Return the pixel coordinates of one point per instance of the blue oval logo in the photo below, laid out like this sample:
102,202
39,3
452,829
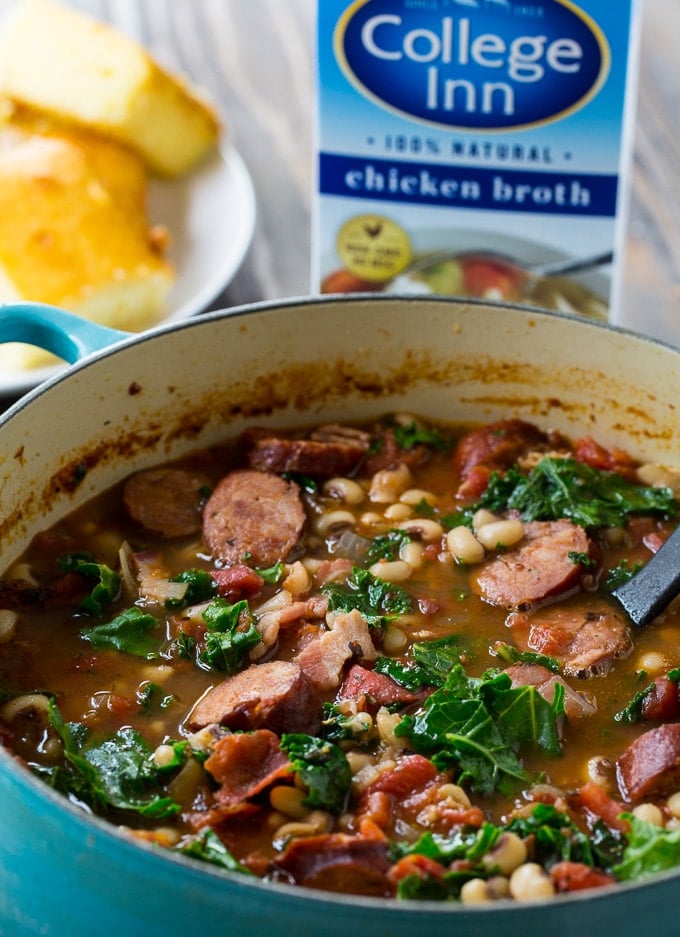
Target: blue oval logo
483,66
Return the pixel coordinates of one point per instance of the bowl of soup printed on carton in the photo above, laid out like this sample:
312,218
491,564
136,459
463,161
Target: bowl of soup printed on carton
339,564
483,122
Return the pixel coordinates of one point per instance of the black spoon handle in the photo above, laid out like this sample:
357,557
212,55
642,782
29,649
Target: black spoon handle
649,591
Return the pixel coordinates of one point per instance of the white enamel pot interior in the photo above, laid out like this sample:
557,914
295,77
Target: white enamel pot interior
153,397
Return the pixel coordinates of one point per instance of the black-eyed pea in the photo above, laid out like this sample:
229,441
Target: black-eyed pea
423,528
601,771
298,579
398,512
344,489
673,804
509,853
394,640
454,794
464,546
475,891
391,570
483,516
650,813
499,886
8,624
500,535
388,484
414,496
331,521
411,552
372,519
652,663
530,882
288,800
385,723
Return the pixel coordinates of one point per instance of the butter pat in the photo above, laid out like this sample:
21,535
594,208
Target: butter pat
77,70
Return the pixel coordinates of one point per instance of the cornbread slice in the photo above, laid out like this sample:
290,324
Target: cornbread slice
74,232
78,70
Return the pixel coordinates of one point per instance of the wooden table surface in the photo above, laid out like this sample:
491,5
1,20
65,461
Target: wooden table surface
255,58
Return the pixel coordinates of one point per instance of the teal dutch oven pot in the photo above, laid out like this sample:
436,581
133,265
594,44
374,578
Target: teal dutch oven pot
127,402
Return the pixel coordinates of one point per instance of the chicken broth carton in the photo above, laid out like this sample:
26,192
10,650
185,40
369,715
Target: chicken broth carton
474,148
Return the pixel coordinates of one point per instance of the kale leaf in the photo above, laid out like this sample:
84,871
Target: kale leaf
118,773
377,600
650,849
322,767
231,634
566,488
478,725
430,663
200,587
208,847
107,588
129,632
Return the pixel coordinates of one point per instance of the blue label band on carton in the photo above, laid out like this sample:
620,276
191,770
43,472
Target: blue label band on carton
497,66
490,189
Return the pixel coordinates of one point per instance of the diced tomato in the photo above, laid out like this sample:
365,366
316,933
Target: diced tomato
410,774
607,460
596,801
576,876
415,864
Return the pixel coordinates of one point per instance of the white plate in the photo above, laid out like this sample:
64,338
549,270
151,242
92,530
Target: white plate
210,215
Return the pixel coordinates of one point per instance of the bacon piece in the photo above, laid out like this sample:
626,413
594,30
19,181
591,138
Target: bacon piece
585,638
246,764
323,659
338,862
275,695
543,565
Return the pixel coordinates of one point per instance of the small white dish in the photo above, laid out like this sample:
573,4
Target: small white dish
210,215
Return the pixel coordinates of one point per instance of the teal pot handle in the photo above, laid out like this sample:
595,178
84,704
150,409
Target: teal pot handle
62,333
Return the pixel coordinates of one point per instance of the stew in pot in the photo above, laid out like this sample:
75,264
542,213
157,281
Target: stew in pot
379,660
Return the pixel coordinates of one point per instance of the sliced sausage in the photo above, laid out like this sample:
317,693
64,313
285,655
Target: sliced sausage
254,517
338,862
325,453
492,448
586,640
543,565
662,703
165,501
650,766
275,695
